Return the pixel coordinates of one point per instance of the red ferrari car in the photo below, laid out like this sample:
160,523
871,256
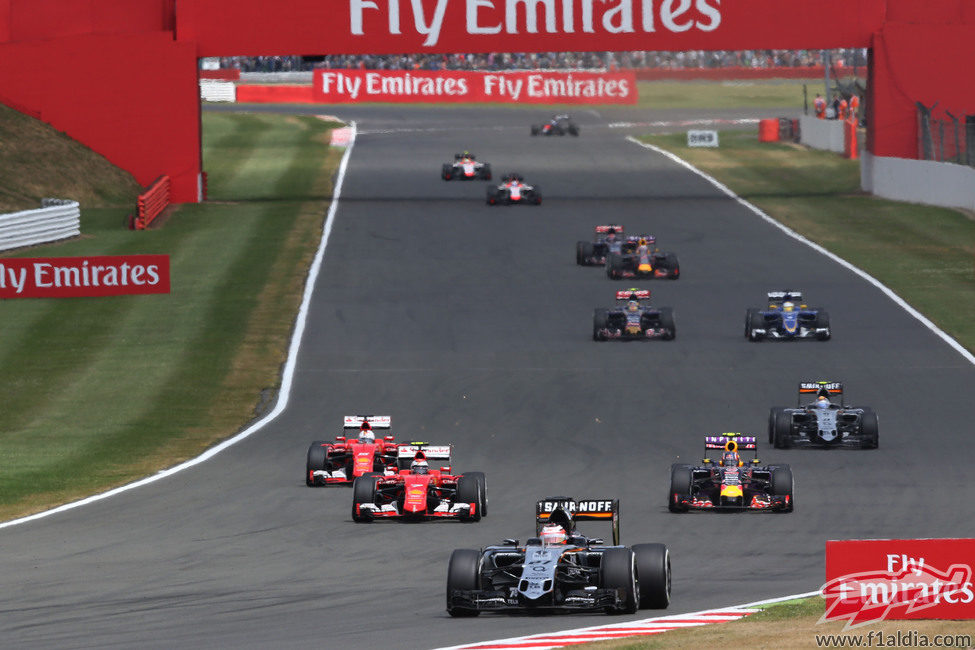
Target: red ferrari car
351,456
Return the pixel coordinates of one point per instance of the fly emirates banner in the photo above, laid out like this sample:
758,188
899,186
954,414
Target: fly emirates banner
522,87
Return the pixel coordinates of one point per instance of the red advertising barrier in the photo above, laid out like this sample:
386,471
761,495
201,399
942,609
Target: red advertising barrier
733,73
277,94
78,277
896,579
152,202
536,87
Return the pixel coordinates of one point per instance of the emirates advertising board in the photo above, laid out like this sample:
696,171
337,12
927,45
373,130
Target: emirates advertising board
896,579
82,277
520,87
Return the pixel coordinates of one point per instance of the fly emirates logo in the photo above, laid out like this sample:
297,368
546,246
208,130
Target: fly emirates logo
489,17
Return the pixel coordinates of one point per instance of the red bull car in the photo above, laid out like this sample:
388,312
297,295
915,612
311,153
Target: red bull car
513,190
466,168
420,492
731,483
633,319
608,239
354,454
639,257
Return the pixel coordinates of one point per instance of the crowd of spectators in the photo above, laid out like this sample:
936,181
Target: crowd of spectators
550,60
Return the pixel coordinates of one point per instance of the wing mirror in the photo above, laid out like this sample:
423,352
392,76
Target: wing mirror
755,461
596,541
340,438
389,438
510,542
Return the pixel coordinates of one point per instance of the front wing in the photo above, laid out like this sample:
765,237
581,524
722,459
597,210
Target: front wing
497,601
445,510
758,503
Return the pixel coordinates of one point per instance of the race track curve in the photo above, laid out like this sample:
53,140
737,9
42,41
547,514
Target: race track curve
471,324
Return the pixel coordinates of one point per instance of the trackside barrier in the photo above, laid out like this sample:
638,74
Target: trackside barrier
56,219
152,202
218,91
822,134
768,130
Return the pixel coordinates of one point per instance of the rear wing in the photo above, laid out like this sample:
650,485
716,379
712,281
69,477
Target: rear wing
633,294
828,389
602,230
579,510
783,296
409,450
375,421
722,442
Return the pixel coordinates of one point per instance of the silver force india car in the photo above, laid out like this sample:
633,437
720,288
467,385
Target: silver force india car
560,569
731,483
639,257
827,421
513,190
633,319
787,317
466,168
608,239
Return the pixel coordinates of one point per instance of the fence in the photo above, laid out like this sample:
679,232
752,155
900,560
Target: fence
945,139
56,219
152,202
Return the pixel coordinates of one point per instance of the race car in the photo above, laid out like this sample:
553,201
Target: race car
608,239
514,190
351,456
731,484
633,318
419,492
466,167
787,317
560,569
558,125
639,257
823,422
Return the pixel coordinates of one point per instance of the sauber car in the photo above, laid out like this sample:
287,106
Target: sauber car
608,239
633,318
787,317
558,125
730,483
639,257
465,168
827,421
568,572
353,454
414,495
514,190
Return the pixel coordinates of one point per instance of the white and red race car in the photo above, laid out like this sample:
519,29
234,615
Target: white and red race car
466,168
514,190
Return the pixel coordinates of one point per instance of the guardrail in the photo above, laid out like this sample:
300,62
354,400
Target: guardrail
152,202
56,219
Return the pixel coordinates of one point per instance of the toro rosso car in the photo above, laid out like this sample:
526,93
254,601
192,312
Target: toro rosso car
560,569
787,317
351,455
640,258
608,239
633,319
827,421
731,483
419,492
514,190
465,168
558,125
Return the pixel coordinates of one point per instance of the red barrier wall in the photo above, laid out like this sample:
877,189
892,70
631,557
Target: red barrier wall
276,94
735,73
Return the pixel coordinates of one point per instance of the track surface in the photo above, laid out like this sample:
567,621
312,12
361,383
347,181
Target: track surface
471,324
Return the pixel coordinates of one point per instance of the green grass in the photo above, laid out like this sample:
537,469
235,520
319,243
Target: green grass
925,254
102,391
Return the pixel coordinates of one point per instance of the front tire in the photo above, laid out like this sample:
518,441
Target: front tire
614,266
317,454
681,480
617,570
482,505
667,323
363,491
653,575
870,429
463,574
469,491
784,485
600,321
822,321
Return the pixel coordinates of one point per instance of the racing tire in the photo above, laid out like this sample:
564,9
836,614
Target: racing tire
822,320
667,323
492,197
537,196
316,461
653,575
614,266
784,485
535,129
463,574
670,262
748,328
869,429
447,173
583,252
600,321
574,130
486,172
757,322
782,430
681,479
363,491
617,570
469,491
771,423
482,505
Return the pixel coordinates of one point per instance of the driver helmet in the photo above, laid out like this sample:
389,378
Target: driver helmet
788,306
553,534
730,459
611,234
822,402
366,434
633,305
419,466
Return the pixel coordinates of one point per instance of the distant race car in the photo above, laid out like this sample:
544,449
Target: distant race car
823,422
560,569
731,484
787,317
416,491
633,318
350,456
639,257
559,125
465,168
514,190
608,239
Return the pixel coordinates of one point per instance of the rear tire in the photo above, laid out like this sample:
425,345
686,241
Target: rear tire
574,130
782,430
486,172
363,491
870,429
653,575
600,321
771,423
757,322
617,570
667,323
681,480
315,461
447,173
469,491
784,485
670,262
584,252
463,574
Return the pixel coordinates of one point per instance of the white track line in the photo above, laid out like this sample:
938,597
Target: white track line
286,380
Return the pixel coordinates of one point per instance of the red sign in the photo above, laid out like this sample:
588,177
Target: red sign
356,86
895,579
77,277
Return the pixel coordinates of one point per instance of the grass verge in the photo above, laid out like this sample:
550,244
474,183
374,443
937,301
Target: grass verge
103,391
925,254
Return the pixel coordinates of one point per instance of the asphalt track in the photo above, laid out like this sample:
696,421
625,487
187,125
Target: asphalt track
471,324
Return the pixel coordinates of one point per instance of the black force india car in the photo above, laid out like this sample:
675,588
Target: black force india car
633,318
639,257
560,569
353,454
514,190
731,483
465,168
826,421
788,318
559,125
415,491
608,239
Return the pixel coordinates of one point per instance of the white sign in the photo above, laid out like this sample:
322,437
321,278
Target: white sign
702,138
